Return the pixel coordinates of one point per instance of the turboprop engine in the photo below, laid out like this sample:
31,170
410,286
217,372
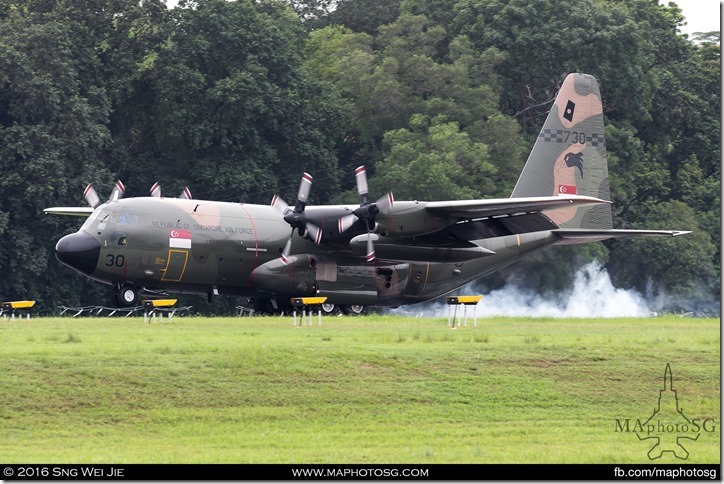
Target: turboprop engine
298,275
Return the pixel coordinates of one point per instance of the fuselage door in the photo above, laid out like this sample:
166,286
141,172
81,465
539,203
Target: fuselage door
176,265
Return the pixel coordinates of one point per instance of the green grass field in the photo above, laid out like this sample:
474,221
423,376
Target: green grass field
375,389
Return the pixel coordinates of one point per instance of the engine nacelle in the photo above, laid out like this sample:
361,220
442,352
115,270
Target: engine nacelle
380,229
298,277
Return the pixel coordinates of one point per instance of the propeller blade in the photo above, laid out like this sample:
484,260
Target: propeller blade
304,188
346,222
360,175
370,250
385,203
296,218
287,249
314,233
279,205
155,190
367,211
186,194
117,191
91,196
364,244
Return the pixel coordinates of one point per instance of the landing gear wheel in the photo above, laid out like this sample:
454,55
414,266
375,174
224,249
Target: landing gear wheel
353,309
329,308
127,296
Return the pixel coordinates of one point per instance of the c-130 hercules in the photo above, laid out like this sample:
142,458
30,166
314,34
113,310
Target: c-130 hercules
382,253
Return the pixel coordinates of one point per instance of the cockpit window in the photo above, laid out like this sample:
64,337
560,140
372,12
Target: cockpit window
127,219
104,217
90,219
100,215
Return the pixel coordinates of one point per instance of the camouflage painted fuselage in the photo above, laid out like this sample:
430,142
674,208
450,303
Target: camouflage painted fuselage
196,246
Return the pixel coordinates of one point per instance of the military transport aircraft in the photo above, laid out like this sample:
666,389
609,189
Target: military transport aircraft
380,253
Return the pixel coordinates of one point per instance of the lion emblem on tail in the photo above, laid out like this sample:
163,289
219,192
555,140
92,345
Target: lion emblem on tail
574,159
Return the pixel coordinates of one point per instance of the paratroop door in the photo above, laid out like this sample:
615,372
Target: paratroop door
176,265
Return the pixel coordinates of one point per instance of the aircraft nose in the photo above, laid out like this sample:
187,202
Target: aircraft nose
79,251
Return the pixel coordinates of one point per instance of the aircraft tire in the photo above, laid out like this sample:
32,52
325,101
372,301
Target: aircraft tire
330,308
127,296
354,310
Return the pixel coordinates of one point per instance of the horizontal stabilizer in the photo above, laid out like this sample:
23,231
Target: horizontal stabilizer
614,233
73,211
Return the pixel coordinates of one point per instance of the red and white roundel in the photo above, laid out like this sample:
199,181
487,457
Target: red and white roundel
567,189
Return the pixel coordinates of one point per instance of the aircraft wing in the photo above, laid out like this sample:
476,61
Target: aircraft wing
615,233
74,211
472,209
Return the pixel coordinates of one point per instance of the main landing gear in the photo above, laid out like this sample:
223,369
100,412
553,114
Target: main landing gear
349,310
274,307
354,310
330,308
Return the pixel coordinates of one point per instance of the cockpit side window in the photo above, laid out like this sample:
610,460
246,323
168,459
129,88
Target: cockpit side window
117,238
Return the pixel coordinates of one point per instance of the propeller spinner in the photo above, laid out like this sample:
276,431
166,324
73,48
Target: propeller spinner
297,218
367,211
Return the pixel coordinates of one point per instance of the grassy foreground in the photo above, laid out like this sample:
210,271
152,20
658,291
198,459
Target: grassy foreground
375,389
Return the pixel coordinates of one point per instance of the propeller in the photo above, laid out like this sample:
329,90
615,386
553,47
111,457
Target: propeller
118,191
367,211
156,192
296,217
91,196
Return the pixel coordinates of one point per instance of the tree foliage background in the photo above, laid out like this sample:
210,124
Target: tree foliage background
441,99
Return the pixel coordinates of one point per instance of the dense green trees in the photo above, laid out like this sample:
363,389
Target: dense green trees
233,107
440,99
54,114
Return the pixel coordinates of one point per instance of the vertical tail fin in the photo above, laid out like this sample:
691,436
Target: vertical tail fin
569,156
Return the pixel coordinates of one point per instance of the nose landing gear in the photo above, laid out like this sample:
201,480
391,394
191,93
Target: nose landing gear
126,296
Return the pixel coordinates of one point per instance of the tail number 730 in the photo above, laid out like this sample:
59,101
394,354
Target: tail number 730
578,137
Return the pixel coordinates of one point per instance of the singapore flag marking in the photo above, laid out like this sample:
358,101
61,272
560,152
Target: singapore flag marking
179,239
566,189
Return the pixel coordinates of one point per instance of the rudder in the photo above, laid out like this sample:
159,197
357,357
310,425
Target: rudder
569,156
